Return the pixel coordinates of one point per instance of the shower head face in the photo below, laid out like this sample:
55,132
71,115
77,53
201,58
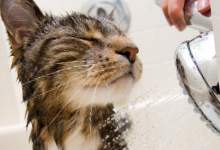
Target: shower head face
197,73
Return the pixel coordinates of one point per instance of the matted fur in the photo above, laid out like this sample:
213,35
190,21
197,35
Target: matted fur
71,69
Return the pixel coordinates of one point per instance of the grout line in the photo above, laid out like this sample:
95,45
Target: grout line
13,128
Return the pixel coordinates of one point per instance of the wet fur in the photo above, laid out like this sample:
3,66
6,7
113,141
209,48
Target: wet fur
71,72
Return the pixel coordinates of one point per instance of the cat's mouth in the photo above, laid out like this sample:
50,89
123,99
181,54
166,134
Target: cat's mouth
125,76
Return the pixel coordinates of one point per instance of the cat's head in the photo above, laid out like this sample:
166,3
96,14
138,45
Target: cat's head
75,56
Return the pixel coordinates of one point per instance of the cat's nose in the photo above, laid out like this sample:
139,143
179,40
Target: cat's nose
130,53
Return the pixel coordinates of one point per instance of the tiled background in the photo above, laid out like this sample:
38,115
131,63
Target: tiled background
149,30
216,23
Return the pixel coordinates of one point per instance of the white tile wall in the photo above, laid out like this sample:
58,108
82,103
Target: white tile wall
157,43
9,110
216,24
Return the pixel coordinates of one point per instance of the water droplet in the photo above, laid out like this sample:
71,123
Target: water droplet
207,106
201,102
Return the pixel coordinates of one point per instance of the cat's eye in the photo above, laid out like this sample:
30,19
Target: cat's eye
90,39
93,40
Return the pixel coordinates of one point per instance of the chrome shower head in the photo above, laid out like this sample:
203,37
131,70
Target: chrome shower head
197,73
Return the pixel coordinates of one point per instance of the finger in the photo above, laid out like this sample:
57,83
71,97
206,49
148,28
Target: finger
176,13
203,6
165,11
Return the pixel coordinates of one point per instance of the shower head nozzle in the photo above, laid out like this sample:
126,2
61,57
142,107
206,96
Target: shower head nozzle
197,73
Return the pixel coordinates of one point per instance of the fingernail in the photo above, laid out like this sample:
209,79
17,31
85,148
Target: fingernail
180,25
203,5
169,21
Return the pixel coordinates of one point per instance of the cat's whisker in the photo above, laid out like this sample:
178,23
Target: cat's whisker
56,87
118,23
83,100
45,110
63,107
99,68
58,71
76,61
93,99
87,90
69,62
46,128
61,86
46,75
126,28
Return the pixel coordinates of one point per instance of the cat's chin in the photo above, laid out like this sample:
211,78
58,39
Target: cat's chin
126,76
118,90
115,91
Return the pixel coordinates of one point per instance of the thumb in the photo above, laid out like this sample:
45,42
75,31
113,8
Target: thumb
203,6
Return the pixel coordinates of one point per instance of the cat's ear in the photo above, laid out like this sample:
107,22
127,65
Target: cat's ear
20,18
110,15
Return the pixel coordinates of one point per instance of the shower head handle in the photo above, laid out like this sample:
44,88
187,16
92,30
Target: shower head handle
193,18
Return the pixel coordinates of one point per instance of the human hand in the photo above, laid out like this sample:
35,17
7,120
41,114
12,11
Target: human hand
174,11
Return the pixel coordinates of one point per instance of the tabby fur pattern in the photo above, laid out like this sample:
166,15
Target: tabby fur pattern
72,69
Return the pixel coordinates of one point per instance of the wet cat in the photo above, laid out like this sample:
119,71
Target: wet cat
72,69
